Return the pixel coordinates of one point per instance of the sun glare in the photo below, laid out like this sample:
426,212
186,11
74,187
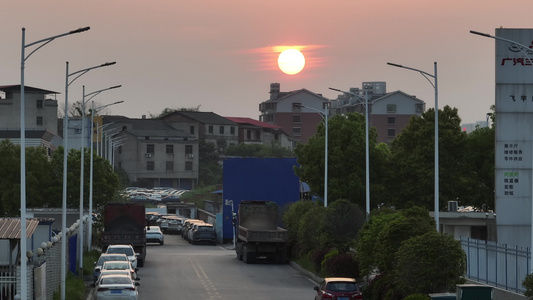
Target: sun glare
291,61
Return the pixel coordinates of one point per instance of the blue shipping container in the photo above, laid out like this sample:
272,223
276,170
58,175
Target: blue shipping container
251,178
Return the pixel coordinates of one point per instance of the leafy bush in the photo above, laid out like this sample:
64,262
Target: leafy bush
342,265
417,297
316,257
528,284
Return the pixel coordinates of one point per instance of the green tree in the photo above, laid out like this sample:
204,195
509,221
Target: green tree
429,263
344,219
479,169
293,221
39,178
9,179
346,152
209,169
410,179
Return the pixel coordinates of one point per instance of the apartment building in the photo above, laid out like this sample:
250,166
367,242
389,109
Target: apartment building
388,113
40,116
205,126
256,132
153,152
298,112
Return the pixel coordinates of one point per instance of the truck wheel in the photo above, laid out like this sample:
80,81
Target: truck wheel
245,257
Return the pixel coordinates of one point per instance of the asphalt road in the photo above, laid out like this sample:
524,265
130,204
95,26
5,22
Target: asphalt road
179,270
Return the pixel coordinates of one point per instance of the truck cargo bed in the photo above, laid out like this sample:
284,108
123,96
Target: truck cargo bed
274,236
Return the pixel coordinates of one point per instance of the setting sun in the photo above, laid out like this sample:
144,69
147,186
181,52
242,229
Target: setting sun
291,61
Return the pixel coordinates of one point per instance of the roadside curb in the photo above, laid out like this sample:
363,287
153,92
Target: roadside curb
312,276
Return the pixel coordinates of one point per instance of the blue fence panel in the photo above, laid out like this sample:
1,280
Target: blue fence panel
496,264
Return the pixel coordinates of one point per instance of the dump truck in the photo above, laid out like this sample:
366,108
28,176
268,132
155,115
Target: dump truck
259,236
125,223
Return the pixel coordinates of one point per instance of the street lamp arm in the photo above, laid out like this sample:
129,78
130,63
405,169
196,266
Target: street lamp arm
98,92
49,39
425,74
363,100
96,109
83,71
521,46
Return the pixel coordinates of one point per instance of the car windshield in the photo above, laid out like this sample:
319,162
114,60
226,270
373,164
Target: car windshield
205,228
342,286
115,280
110,258
124,250
116,266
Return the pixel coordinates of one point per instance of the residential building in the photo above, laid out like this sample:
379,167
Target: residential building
297,112
40,116
152,151
205,126
388,113
256,132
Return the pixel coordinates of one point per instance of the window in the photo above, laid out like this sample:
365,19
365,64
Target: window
258,134
391,108
297,106
391,120
188,166
150,165
188,149
391,132
39,121
232,130
296,131
170,166
191,130
170,149
119,149
248,134
221,129
39,103
150,148
296,118
419,108
210,129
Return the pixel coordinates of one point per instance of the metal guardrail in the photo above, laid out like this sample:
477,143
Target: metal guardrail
498,265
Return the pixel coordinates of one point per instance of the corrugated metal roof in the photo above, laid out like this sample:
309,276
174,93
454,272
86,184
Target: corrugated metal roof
10,228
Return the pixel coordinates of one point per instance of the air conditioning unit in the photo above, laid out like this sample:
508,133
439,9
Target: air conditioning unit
148,155
190,155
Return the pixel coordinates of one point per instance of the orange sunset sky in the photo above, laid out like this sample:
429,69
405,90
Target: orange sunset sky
222,54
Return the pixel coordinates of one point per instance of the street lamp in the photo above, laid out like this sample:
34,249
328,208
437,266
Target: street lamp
367,169
90,219
435,86
325,116
521,47
99,135
76,74
107,141
23,57
82,153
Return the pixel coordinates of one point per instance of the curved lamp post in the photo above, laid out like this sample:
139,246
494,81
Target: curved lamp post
23,57
367,170
90,218
82,153
435,86
324,114
521,47
76,75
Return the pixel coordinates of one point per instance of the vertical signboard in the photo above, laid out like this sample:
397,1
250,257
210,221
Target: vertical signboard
514,135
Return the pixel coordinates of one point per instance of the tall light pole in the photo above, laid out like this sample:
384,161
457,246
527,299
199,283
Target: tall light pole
82,153
522,48
90,219
23,57
75,76
325,116
436,87
367,158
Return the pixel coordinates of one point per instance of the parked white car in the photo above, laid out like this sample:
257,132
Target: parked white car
125,249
